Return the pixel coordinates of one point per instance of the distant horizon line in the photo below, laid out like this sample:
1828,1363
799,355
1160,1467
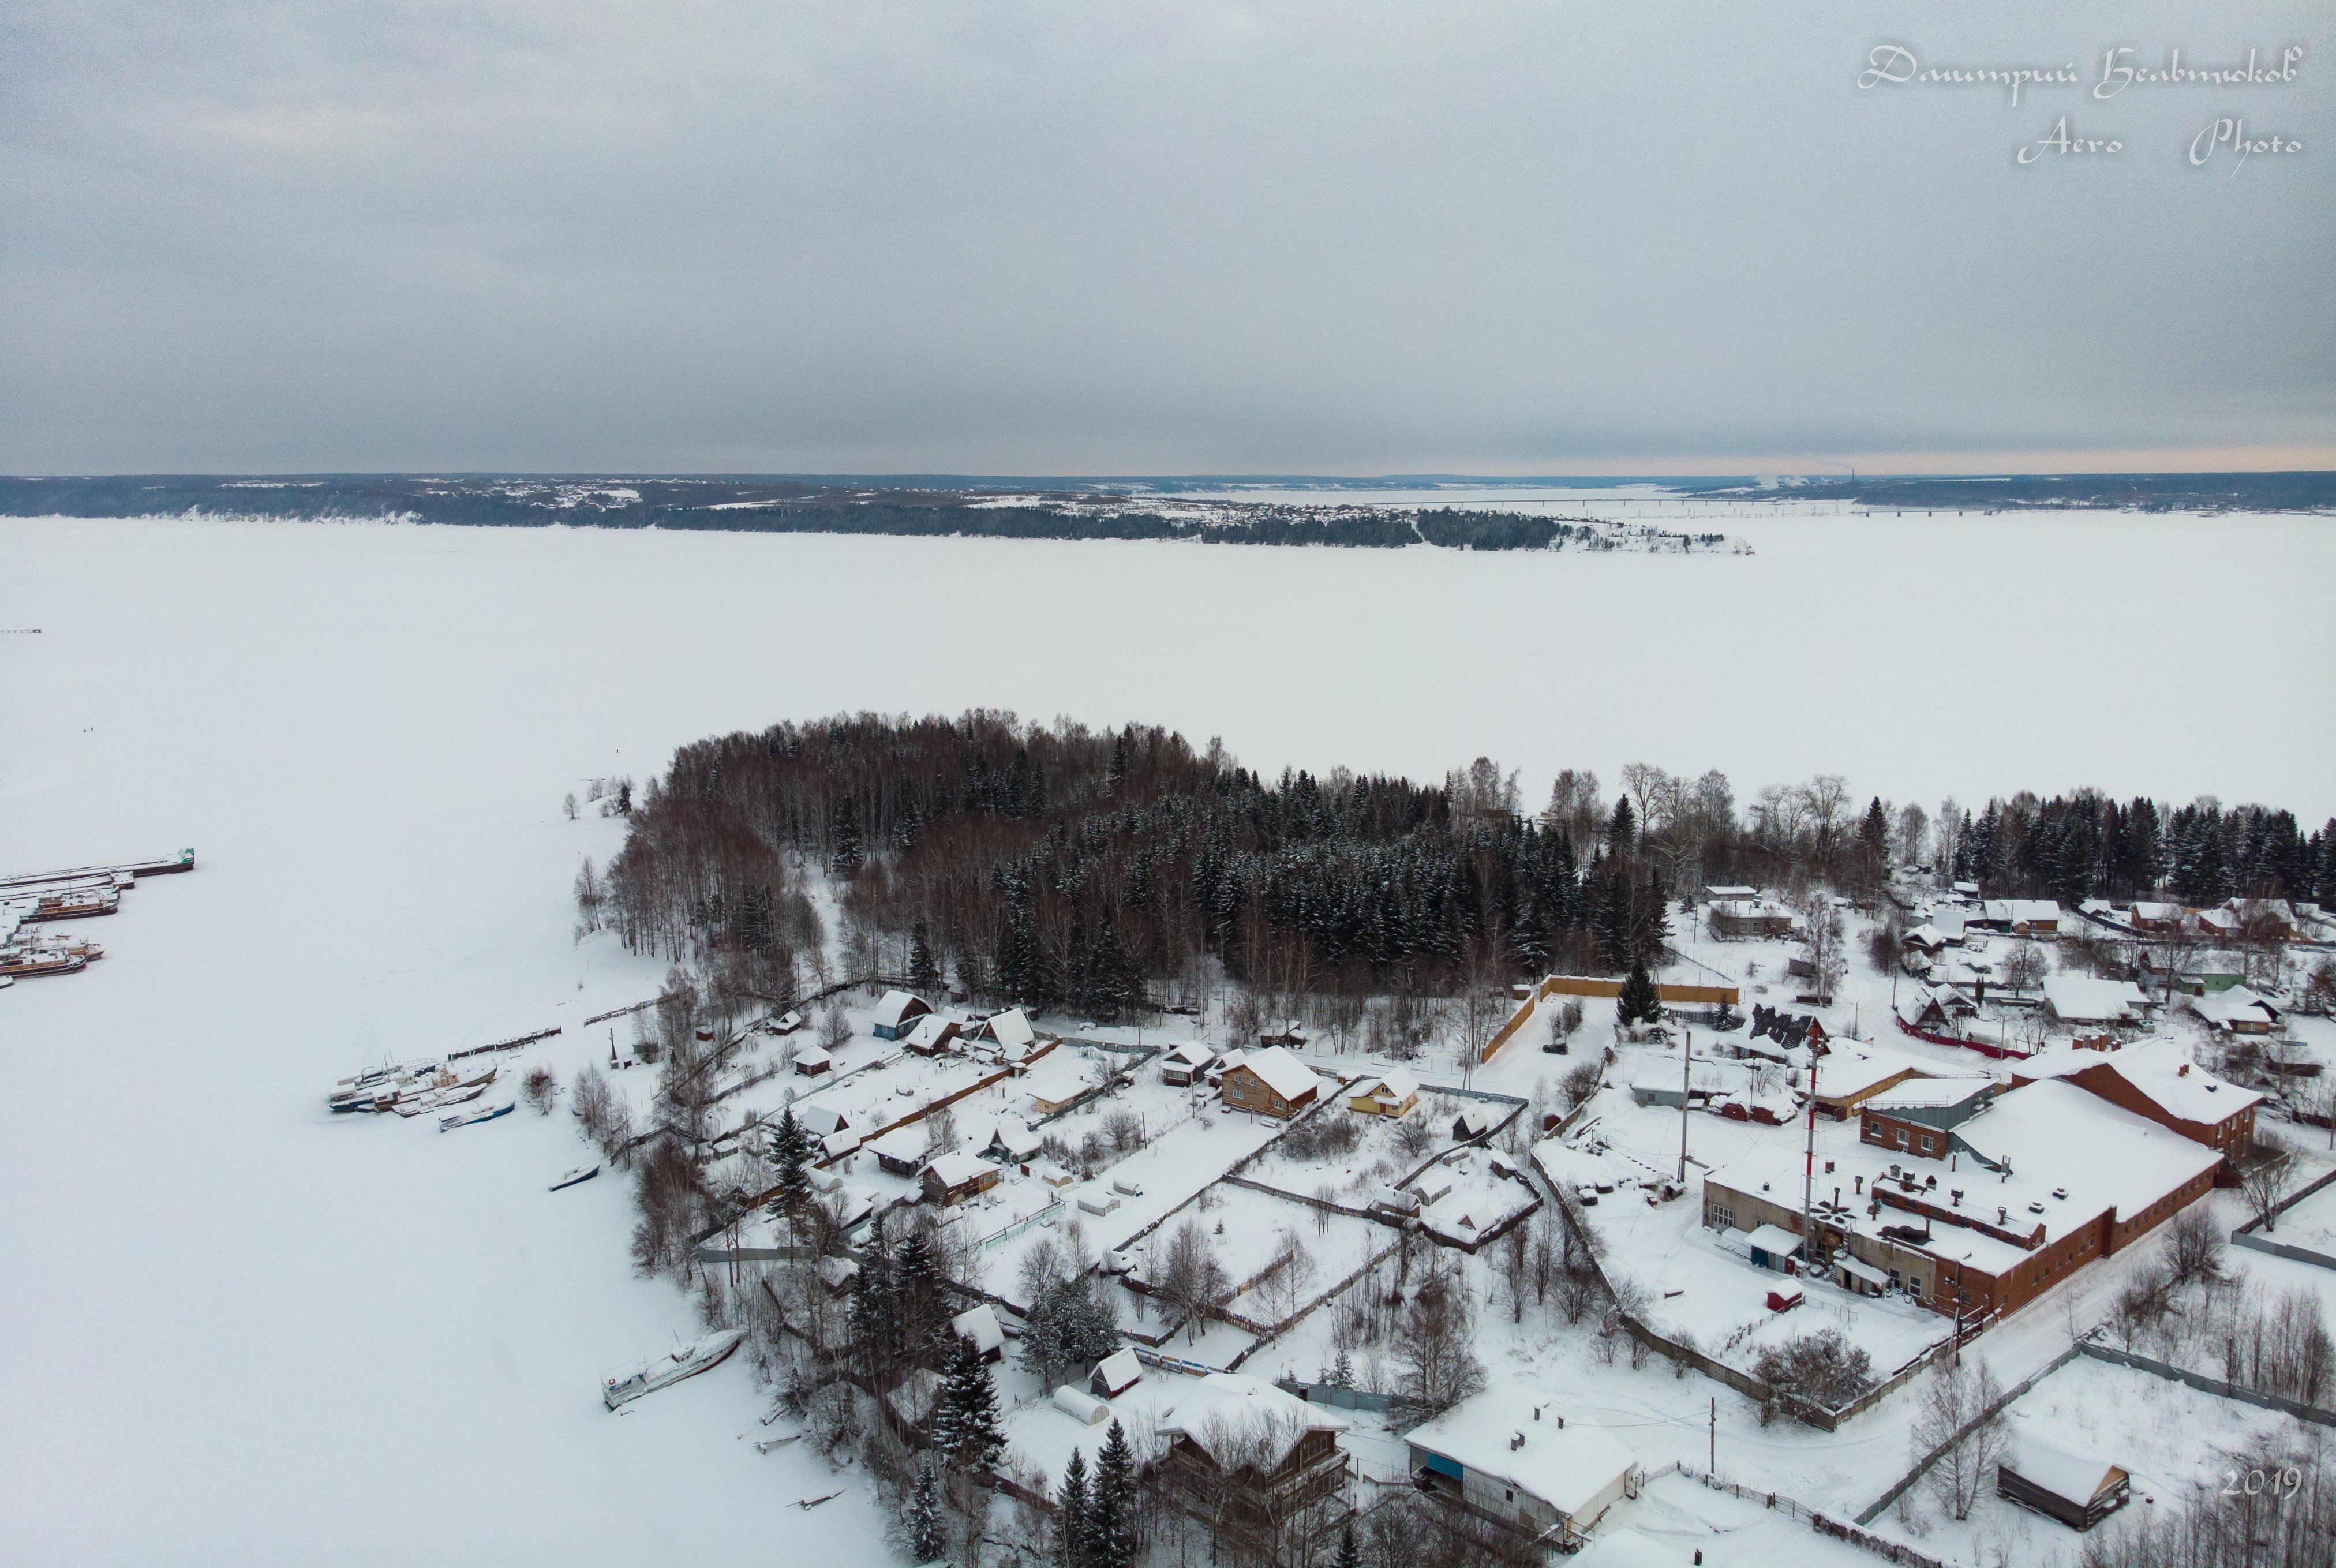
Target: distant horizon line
1568,480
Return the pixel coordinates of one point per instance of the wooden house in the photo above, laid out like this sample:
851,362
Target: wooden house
1253,1461
1114,1374
1186,1064
1010,1034
930,1035
895,1012
902,1150
954,1178
981,1325
1738,918
1271,1082
1392,1094
2059,1480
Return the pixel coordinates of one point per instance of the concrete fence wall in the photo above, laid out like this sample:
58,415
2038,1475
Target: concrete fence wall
2246,1236
2205,1385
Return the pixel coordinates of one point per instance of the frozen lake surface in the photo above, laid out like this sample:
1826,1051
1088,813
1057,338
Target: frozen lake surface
238,1329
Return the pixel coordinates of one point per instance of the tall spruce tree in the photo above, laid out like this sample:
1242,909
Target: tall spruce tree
1349,1554
924,974
1639,1003
965,1412
1111,1512
872,1316
845,853
1621,828
919,1314
791,1153
928,1535
1071,1506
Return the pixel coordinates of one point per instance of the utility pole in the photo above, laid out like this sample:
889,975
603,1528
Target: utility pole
1711,1453
1687,1091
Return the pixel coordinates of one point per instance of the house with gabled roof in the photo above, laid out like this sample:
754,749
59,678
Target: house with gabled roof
1270,1082
895,1011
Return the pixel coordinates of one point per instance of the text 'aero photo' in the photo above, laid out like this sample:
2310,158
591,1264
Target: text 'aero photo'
1128,786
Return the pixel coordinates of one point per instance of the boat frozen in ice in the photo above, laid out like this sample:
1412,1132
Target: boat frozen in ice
482,1113
30,961
663,1371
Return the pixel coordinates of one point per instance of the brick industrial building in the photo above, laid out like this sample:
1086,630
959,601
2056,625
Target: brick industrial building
1972,1200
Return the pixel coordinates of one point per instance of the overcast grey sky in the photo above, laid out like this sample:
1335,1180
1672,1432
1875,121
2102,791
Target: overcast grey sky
1130,237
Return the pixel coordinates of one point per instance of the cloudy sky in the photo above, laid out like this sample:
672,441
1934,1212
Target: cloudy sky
1128,237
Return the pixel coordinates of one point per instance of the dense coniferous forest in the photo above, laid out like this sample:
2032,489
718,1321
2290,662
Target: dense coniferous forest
1104,870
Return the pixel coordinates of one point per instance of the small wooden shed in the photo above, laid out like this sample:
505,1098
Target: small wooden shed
2056,1479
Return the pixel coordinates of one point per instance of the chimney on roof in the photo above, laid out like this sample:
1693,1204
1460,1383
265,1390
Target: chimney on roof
2183,1071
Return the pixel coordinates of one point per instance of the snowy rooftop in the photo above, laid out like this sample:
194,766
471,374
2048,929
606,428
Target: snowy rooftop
1851,1069
2058,1467
2237,1004
1012,1030
929,1029
1397,1083
1929,1094
1235,1420
956,1170
895,1005
1565,1467
2081,999
2056,1138
1284,1074
2159,1068
980,1324
1708,1077
1059,1077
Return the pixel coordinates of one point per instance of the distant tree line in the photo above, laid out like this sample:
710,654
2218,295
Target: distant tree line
1061,866
764,506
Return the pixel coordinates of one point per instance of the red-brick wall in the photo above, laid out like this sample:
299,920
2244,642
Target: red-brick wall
2230,1134
1886,1131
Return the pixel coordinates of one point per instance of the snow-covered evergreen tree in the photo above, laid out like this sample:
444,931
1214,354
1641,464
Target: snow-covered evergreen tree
1111,1511
924,974
919,1314
927,1532
874,1323
791,1154
1071,1513
1639,1003
845,854
965,1412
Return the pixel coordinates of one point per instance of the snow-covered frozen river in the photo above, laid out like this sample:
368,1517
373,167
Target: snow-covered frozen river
237,1330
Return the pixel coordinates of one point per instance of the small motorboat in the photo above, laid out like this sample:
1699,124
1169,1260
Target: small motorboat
580,1174
484,1114
628,1383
